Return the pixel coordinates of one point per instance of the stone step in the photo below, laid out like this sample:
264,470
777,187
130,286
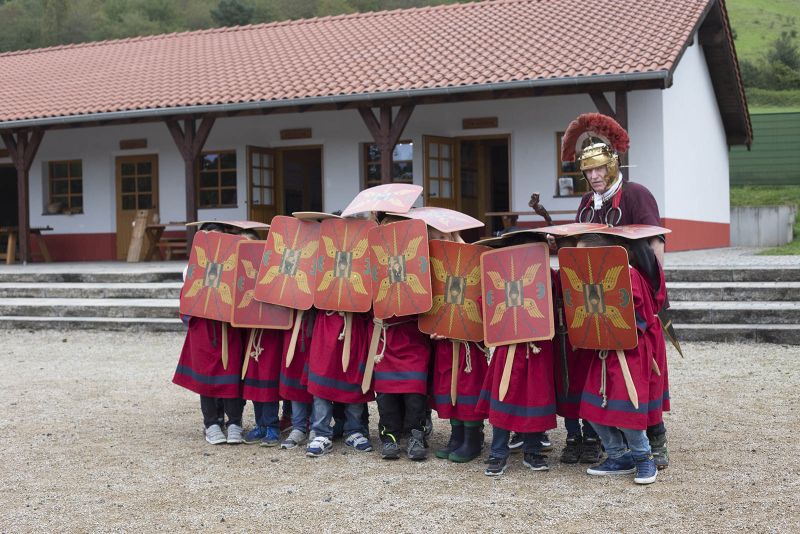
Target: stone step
95,272
732,274
145,290
734,291
785,334
750,313
137,324
120,308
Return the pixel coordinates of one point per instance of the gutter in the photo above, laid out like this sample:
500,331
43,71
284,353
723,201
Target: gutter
337,99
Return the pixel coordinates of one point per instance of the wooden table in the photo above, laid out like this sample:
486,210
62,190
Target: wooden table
11,250
163,245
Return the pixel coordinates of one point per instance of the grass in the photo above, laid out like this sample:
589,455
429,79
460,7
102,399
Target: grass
771,101
759,22
771,195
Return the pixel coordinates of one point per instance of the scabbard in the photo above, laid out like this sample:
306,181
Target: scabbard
247,352
454,374
348,330
562,336
654,366
225,346
366,382
505,380
293,341
669,330
629,385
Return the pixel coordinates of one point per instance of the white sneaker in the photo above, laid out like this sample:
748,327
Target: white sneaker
235,435
319,446
295,439
215,435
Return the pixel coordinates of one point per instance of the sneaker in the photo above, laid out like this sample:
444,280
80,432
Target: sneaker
547,445
535,462
572,451
272,437
235,434
624,465
319,446
417,448
390,450
295,439
658,445
515,442
359,442
215,435
646,470
496,466
591,452
255,435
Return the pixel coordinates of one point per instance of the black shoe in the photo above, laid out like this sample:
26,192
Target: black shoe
547,445
591,453
496,466
535,462
471,447
515,442
417,447
456,440
572,451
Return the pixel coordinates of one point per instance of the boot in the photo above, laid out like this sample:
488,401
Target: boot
591,452
417,447
573,450
473,443
456,439
658,446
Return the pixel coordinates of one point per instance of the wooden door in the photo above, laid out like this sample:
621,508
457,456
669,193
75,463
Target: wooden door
137,189
440,157
264,194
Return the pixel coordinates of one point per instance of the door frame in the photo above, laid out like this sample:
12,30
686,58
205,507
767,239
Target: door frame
118,160
279,152
277,179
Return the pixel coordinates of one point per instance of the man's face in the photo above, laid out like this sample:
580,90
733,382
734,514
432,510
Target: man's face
597,178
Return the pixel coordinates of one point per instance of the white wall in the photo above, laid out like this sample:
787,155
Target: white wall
695,149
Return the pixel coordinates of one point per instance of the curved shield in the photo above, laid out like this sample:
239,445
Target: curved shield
396,198
344,274
208,288
456,287
517,295
598,302
248,312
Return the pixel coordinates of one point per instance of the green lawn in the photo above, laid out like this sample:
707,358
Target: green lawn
770,195
759,22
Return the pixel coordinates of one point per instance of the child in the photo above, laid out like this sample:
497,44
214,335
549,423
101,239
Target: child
261,386
294,381
605,401
200,370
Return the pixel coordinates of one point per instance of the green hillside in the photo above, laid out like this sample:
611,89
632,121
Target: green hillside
758,23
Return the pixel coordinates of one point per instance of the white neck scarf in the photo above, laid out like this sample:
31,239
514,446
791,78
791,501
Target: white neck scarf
599,198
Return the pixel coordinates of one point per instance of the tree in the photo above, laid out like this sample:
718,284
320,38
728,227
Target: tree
784,51
232,13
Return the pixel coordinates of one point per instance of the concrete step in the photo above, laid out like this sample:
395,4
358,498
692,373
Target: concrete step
734,291
145,290
94,272
750,313
785,334
732,274
120,308
129,324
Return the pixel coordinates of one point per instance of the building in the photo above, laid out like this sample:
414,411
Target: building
467,100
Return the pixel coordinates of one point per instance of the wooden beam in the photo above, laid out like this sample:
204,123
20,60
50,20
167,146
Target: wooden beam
621,108
386,132
602,104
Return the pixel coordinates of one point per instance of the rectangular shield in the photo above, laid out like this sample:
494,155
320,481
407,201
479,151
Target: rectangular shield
397,198
208,288
344,274
287,272
517,295
598,302
401,277
248,312
456,287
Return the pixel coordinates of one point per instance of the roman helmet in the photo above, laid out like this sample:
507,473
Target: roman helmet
601,139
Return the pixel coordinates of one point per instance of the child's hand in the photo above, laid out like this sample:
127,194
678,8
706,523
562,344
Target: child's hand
437,337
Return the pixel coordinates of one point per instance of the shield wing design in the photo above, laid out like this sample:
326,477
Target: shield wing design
517,295
401,279
248,312
396,198
344,273
456,287
208,288
598,302
287,271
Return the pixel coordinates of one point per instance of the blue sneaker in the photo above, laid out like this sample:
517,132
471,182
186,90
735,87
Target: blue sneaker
624,465
359,442
646,470
255,435
271,438
319,446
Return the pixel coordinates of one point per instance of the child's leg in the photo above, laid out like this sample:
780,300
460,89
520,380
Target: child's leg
416,411
612,440
573,427
321,418
619,461
208,406
365,419
338,420
233,409
500,443
301,412
637,442
591,452
532,456
390,418
352,419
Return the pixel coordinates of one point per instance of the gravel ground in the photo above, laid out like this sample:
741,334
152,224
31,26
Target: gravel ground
96,437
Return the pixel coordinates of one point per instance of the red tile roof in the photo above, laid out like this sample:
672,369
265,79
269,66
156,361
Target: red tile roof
455,46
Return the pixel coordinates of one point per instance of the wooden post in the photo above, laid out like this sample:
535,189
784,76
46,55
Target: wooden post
386,133
190,141
619,113
22,147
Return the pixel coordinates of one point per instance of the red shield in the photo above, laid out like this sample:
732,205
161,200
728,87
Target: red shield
287,271
517,295
635,231
388,197
401,279
598,302
443,219
456,287
344,278
208,288
248,312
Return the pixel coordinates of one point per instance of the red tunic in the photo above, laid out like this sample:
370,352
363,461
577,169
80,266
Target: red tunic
659,385
620,411
200,365
294,379
578,362
637,204
530,403
471,375
326,379
403,368
261,380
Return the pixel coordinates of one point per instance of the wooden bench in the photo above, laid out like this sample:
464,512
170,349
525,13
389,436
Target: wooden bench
10,232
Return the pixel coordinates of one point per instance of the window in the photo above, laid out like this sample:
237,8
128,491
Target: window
262,176
569,178
217,180
440,160
402,164
66,186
